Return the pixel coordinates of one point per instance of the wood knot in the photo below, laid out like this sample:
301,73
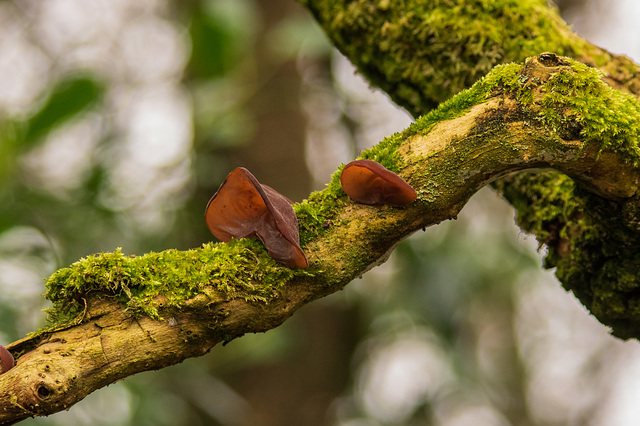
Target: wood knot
549,59
44,392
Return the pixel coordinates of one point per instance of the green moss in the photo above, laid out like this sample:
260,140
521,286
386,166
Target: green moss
552,196
239,269
594,256
576,103
605,115
501,76
317,214
386,152
422,53
601,267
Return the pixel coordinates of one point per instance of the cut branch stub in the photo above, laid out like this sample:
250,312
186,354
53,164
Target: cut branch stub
243,208
369,182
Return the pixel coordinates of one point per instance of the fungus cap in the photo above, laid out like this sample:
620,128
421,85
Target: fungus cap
243,208
6,360
369,182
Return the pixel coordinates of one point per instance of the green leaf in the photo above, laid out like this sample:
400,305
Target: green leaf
69,97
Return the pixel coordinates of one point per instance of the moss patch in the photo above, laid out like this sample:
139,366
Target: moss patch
575,103
239,269
594,257
422,53
317,214
546,204
608,116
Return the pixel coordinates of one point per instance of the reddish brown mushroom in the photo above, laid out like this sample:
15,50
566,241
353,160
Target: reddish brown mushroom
243,208
368,182
6,360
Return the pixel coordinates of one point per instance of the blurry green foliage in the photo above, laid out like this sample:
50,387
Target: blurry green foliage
69,97
220,35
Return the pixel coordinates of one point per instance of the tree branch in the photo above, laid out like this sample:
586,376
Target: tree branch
420,53
423,52
117,315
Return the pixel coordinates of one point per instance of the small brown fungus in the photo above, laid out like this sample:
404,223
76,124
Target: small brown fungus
243,208
6,360
369,182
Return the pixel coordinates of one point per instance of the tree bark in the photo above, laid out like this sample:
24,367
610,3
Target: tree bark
115,316
421,53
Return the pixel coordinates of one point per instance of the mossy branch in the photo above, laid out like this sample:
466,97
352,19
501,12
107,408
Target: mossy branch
422,52
114,315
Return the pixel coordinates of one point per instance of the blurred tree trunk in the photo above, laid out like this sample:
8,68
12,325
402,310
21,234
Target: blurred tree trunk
276,153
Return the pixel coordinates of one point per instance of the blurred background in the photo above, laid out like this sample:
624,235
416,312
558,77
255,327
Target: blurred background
118,121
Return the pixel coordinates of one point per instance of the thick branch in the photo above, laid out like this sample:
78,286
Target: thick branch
422,52
181,304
